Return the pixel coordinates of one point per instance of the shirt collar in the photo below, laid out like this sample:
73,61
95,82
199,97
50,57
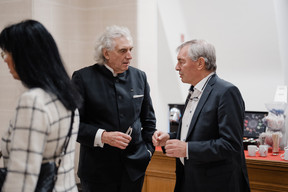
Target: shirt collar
200,86
110,69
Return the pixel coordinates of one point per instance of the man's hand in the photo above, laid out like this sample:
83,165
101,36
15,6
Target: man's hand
175,148
116,139
159,138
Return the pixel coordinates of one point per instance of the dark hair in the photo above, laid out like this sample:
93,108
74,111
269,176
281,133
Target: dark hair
38,61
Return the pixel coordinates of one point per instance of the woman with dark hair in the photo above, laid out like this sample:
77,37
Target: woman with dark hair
42,118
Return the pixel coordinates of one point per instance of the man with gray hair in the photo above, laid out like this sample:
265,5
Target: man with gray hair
117,119
208,144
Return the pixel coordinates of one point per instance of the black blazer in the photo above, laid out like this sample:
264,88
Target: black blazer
216,157
114,104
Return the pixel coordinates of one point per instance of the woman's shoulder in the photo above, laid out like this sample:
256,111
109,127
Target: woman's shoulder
36,93
36,97
45,102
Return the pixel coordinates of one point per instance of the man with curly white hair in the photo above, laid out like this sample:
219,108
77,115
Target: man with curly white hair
117,118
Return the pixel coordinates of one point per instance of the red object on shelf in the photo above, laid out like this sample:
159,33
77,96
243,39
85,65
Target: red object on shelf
270,156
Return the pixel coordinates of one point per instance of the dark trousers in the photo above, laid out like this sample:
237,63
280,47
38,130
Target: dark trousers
123,185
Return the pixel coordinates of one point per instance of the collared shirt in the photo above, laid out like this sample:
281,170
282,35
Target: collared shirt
190,109
110,69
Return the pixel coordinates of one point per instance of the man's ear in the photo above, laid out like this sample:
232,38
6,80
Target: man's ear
201,63
105,53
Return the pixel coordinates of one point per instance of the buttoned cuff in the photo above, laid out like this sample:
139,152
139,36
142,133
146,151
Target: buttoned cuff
97,141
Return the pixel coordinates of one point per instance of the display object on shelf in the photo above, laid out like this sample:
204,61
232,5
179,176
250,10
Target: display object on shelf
276,128
175,113
253,124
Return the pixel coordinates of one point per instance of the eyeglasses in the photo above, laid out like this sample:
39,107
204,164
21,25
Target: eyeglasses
2,54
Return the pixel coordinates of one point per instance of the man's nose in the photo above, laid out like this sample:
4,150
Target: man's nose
129,55
177,68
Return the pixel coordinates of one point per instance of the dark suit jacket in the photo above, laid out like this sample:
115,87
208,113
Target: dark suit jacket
114,104
216,157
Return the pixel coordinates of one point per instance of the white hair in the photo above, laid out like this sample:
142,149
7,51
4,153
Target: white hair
107,41
201,48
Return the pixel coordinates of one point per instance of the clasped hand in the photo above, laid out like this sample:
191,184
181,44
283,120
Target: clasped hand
116,139
173,147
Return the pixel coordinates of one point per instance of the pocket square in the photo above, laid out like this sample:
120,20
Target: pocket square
137,96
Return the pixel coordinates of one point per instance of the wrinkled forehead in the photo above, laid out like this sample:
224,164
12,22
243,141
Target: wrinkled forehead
122,42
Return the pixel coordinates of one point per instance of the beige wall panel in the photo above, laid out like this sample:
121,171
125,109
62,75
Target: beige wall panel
11,11
101,3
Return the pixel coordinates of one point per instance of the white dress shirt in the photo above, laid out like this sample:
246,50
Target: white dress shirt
190,109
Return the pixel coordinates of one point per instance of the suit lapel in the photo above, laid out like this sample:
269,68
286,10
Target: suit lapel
201,103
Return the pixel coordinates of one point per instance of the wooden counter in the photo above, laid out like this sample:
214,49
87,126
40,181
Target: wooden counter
264,175
267,176
160,174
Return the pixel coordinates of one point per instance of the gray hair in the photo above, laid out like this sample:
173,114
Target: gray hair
201,48
106,41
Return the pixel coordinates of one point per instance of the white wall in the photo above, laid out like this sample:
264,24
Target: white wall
147,49
246,36
281,12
